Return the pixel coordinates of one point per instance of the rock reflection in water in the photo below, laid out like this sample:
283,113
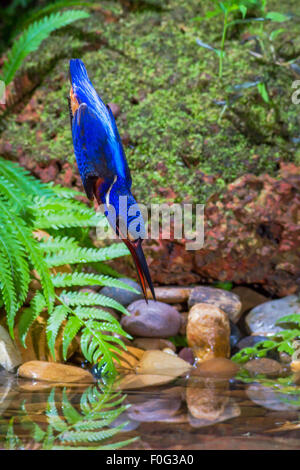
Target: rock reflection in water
194,413
209,402
85,417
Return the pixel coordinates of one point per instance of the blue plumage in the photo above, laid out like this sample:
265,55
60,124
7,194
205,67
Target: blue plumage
102,163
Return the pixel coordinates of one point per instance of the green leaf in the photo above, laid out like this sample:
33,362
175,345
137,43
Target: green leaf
87,279
276,33
292,318
89,298
263,92
29,315
70,331
30,40
277,17
86,255
57,317
243,10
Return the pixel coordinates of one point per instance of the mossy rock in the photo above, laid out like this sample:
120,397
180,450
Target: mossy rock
168,90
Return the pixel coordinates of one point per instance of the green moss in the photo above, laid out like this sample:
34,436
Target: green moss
167,88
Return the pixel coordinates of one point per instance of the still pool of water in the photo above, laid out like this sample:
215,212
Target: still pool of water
193,413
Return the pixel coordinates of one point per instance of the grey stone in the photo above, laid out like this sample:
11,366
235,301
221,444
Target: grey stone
154,409
261,319
124,297
10,356
272,400
151,320
225,300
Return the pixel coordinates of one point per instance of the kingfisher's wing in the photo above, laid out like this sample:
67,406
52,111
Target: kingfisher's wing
92,149
96,129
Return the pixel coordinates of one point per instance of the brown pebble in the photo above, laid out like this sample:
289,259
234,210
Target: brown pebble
153,343
187,355
217,367
265,366
172,295
53,372
208,332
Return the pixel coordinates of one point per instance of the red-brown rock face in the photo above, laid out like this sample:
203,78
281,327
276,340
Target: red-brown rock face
252,235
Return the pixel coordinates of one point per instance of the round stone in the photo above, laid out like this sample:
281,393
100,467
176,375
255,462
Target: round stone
262,319
264,366
151,320
225,300
123,296
208,332
218,367
53,372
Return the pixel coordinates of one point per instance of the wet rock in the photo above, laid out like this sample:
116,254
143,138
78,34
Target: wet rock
250,341
172,295
159,362
208,403
153,343
187,355
261,320
152,320
131,425
7,394
249,297
225,300
271,399
264,366
295,366
54,372
169,351
10,356
235,335
183,325
124,297
208,332
285,358
130,358
37,346
253,237
296,378
115,109
218,367
134,381
155,409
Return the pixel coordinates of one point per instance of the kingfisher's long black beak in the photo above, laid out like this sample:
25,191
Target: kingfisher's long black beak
137,253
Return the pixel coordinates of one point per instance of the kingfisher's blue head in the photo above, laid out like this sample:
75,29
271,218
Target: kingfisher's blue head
102,164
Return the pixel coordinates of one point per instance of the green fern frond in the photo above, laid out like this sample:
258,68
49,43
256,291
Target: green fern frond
88,279
74,299
94,313
30,314
58,204
48,9
67,427
31,39
70,331
46,220
87,255
54,323
8,290
22,181
64,192
54,244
